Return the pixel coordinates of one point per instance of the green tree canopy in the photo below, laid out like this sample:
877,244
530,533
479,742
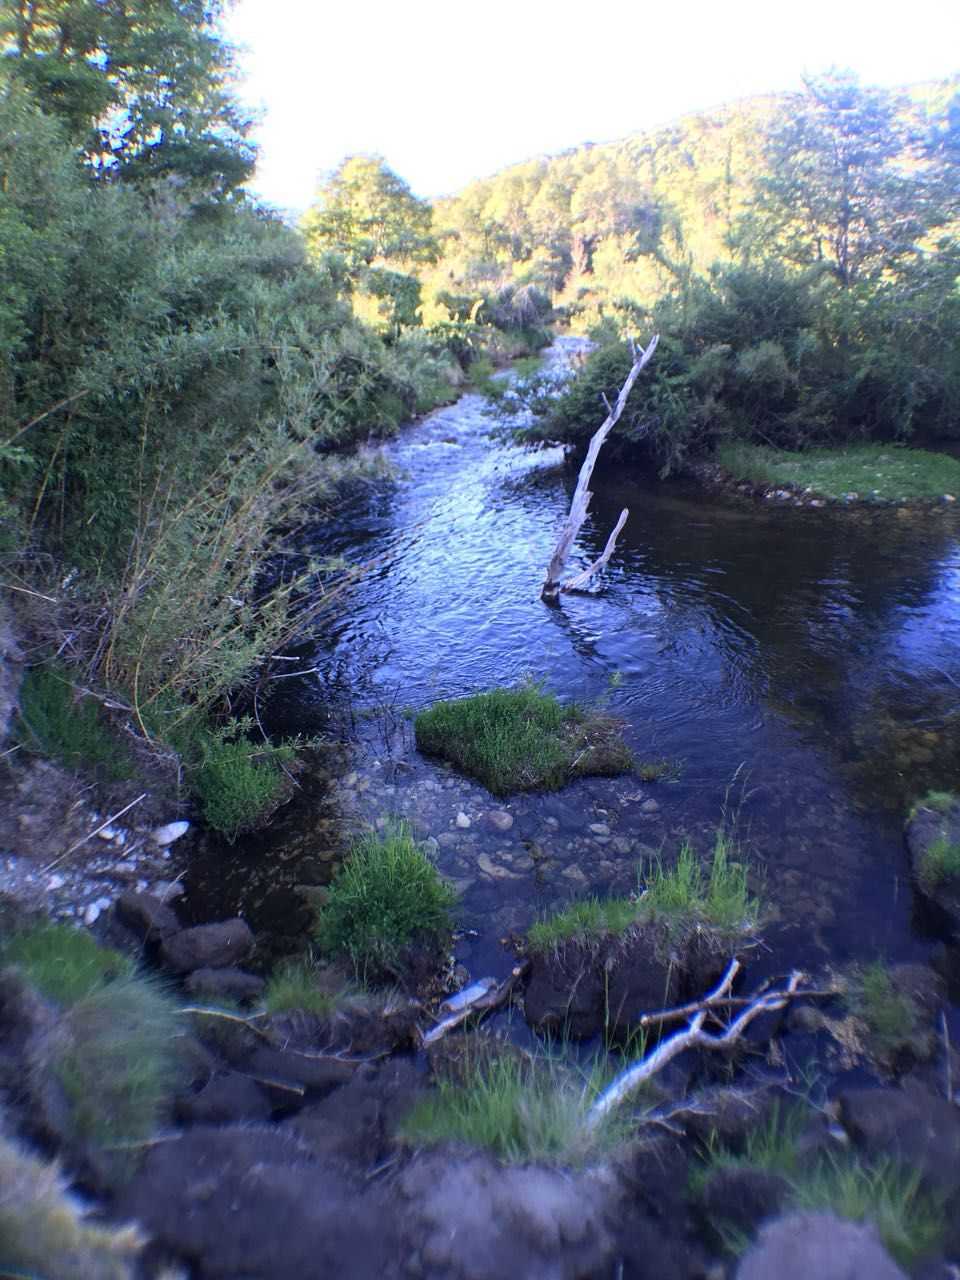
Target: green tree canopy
143,86
367,213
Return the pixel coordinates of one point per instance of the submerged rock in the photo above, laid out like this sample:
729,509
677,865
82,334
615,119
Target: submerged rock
933,840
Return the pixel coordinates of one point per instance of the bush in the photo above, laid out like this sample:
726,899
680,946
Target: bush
384,901
522,739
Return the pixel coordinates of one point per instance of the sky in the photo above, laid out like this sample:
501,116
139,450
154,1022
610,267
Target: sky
447,91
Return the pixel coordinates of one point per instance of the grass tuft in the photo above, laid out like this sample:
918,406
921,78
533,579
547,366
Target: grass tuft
64,964
911,1223
520,1109
239,783
583,922
939,863
522,739
718,897
891,1016
117,1064
54,722
295,988
385,898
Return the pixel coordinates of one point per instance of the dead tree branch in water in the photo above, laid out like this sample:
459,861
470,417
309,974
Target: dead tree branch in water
694,1037
552,585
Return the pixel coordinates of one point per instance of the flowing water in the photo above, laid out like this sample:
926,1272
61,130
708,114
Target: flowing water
800,668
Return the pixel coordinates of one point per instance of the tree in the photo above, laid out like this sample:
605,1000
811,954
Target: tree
143,86
369,215
844,187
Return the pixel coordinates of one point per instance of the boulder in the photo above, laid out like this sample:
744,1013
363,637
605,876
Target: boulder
222,1100
207,946
739,1198
224,984
807,1245
146,916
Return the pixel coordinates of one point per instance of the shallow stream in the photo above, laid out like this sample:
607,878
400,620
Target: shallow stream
800,668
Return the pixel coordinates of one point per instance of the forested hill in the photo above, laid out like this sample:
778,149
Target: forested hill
633,219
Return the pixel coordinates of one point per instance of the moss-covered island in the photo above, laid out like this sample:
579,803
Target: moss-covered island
523,739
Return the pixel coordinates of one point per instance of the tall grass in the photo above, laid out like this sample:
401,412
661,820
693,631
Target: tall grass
57,721
385,898
718,897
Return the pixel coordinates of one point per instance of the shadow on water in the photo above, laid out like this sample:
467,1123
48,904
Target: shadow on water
802,667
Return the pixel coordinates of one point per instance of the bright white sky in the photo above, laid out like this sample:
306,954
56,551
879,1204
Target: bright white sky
447,91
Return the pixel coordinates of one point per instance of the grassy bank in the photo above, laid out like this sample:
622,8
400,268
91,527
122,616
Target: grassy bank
867,471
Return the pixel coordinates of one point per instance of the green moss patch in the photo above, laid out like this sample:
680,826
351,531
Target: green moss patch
939,864
385,899
522,739
868,470
583,922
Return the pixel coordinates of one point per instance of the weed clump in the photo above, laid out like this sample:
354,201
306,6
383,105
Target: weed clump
54,722
520,1109
939,863
386,900
522,739
238,783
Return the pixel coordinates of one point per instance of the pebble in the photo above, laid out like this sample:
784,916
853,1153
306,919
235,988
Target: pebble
169,832
447,839
500,820
56,882
575,874
599,828
490,868
621,844
430,847
553,823
650,806
167,890
463,822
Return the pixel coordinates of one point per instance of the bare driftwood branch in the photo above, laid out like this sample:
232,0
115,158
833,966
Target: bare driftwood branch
492,998
694,1037
552,585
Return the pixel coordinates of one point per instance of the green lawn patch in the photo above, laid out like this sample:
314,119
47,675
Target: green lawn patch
867,470
386,898
583,922
522,739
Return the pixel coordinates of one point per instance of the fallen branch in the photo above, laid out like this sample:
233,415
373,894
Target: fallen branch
491,999
713,1002
694,1037
96,831
580,504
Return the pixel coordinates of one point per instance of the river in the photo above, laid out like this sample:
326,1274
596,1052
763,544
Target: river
799,668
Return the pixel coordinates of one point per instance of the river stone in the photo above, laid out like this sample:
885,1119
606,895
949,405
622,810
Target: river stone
599,828
500,820
463,822
925,826
224,984
207,946
807,1245
223,1099
149,918
741,1198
